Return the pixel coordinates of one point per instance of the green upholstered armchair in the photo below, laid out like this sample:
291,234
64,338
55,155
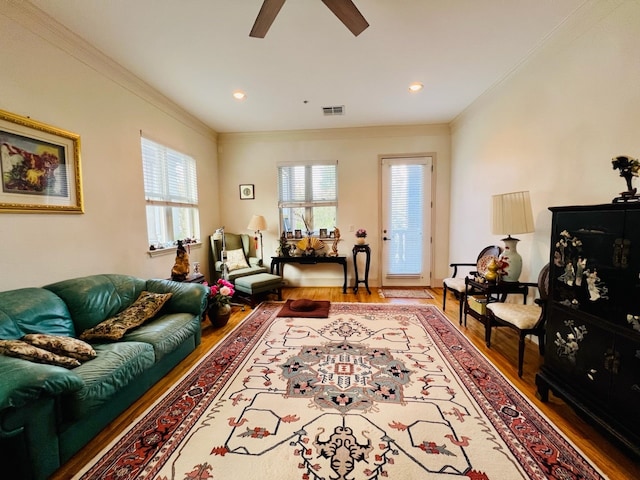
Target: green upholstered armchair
239,263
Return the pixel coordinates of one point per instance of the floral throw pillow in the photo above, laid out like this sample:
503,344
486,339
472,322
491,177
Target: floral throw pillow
26,351
114,328
67,346
236,260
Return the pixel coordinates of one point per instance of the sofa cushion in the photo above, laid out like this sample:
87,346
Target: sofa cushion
67,346
187,297
26,351
116,366
166,333
33,310
95,298
144,308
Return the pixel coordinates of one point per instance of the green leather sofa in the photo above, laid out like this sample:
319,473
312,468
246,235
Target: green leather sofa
48,412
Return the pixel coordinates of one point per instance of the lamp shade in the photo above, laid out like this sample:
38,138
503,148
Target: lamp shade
257,223
512,214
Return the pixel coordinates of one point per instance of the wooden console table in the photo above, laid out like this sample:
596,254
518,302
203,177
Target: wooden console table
494,292
310,260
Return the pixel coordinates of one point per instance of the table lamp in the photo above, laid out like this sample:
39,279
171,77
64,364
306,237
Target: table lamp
512,214
258,224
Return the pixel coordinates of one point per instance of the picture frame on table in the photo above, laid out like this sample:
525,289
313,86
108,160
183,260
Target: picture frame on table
247,191
289,235
298,233
323,233
39,167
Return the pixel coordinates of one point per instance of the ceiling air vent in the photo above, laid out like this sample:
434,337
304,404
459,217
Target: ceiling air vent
330,111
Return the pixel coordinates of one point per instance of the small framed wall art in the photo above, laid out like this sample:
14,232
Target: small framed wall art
247,191
39,167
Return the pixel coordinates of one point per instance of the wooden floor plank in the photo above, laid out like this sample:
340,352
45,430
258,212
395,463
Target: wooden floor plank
503,354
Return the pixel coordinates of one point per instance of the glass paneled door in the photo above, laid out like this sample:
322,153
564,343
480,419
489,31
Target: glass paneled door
406,221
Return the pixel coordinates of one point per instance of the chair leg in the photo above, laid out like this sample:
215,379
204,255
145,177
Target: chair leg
487,332
521,353
541,343
463,304
444,297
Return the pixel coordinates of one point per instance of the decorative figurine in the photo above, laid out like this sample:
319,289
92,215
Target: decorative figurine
629,168
334,247
180,269
284,245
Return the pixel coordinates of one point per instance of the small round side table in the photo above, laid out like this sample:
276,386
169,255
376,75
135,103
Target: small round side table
367,251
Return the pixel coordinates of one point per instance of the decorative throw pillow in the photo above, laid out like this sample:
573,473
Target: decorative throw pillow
236,260
114,328
67,346
26,351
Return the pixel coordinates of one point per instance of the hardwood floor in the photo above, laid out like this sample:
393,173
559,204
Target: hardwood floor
503,354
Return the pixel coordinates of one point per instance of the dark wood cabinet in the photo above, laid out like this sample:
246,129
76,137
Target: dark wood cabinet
592,359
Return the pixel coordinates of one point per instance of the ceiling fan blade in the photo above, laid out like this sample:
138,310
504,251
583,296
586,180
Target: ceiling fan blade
265,18
348,14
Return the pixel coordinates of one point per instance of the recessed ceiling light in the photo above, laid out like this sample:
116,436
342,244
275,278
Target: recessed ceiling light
239,95
416,87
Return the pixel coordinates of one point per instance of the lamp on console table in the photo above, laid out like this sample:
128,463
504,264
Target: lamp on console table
512,214
258,224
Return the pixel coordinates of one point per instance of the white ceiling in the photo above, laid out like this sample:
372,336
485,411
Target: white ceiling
197,52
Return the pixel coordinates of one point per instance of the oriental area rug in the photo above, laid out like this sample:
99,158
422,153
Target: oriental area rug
374,391
403,293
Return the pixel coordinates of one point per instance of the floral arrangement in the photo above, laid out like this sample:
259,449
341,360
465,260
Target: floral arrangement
221,292
361,233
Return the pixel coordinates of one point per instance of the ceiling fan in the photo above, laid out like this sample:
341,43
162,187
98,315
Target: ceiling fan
345,10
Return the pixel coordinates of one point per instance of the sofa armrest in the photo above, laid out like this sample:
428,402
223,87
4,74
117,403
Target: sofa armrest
24,382
186,298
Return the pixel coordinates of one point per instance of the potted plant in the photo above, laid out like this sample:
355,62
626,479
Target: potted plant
219,309
361,234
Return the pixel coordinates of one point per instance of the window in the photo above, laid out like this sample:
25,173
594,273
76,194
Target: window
308,193
171,194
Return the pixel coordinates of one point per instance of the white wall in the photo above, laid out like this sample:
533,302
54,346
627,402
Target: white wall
49,76
551,128
252,158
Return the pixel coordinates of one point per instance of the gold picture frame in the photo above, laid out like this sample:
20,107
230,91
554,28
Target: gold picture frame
39,167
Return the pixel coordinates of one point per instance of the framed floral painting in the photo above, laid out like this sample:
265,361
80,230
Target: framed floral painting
40,167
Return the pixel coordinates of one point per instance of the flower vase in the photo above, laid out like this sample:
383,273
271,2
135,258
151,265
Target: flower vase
361,240
219,314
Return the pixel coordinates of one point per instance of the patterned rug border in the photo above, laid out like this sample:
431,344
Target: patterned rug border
268,312
416,293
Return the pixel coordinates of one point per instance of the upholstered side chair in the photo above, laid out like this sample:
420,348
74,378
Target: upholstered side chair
456,283
525,319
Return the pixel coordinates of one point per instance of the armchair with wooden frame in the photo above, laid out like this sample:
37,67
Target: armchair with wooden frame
457,284
525,319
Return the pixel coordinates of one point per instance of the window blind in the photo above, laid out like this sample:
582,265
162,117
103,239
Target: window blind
171,194
405,257
307,191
